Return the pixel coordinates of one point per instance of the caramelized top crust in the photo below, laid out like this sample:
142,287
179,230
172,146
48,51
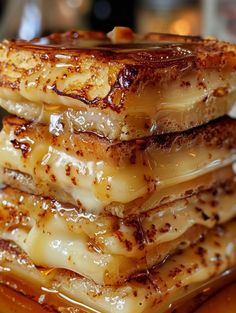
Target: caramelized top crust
131,64
119,83
137,59
153,50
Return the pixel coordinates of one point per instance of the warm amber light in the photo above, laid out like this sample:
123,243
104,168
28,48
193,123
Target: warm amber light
181,27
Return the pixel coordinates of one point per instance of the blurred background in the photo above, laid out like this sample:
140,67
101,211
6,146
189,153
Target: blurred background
30,18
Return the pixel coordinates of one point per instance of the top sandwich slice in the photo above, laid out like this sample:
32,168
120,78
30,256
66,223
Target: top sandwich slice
122,86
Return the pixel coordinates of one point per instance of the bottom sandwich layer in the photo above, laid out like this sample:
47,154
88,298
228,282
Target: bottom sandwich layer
17,297
106,249
154,291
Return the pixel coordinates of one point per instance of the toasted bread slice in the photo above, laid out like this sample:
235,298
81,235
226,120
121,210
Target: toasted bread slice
123,86
95,174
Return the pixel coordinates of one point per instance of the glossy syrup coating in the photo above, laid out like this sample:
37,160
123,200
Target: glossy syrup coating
115,249
153,290
135,61
121,86
73,168
222,302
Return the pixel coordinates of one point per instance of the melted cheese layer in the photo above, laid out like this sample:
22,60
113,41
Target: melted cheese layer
97,183
107,249
179,105
193,268
25,183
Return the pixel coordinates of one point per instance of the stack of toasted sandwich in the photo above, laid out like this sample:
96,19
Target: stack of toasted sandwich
117,163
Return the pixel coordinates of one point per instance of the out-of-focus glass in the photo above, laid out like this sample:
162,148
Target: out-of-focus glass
31,18
219,19
27,19
182,17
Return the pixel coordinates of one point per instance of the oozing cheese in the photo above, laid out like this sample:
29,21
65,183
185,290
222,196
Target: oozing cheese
175,106
193,268
94,183
168,284
106,249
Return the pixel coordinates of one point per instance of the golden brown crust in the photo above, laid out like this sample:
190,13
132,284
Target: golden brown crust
137,63
121,78
154,50
219,134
